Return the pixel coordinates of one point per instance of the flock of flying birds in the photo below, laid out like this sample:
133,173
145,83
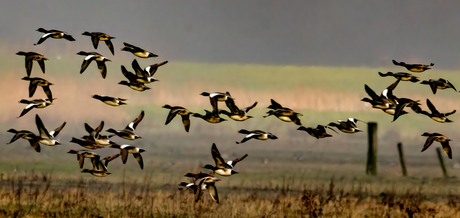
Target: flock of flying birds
394,106
198,182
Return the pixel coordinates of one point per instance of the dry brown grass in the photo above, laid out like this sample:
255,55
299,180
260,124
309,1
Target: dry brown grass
39,195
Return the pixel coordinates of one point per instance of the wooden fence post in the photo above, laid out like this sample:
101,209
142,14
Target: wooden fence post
402,160
371,167
441,162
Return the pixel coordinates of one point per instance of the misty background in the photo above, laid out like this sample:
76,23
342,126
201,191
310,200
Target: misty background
297,32
311,56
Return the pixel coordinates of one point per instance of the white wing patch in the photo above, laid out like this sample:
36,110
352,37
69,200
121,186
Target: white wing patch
89,57
125,146
130,125
385,93
46,35
212,95
29,106
230,163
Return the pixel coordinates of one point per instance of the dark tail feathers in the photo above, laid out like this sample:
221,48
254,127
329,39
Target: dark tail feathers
243,131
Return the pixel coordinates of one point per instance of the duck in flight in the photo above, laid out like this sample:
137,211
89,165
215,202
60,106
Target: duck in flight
236,113
130,149
36,81
128,131
139,52
98,36
201,182
100,166
45,137
318,132
348,126
33,56
133,83
255,134
283,113
94,56
222,168
112,101
436,115
81,155
96,136
178,110
55,34
418,68
31,104
215,97
403,76
27,135
386,101
438,84
146,75
439,138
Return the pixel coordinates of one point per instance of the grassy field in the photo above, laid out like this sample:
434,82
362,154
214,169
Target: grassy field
288,177
39,195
